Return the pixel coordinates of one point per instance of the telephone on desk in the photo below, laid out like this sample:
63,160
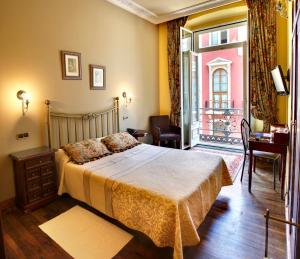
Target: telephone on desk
280,133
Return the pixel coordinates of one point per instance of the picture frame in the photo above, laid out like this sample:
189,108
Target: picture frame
97,77
71,65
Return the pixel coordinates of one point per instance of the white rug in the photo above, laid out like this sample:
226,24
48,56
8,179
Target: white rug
85,235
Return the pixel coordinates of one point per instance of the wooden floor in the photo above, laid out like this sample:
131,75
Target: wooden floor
234,227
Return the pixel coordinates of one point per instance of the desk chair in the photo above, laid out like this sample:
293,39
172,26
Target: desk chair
245,132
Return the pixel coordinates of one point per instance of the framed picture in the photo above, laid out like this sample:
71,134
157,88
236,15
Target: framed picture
71,65
97,77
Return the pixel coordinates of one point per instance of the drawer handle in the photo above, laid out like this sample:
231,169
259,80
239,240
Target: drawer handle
41,161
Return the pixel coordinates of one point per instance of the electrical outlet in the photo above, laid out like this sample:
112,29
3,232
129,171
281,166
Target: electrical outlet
22,135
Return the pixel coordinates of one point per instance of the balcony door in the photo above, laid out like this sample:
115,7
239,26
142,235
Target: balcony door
223,90
190,67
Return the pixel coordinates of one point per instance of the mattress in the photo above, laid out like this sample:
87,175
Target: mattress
164,193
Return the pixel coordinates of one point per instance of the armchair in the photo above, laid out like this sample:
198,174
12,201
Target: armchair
162,131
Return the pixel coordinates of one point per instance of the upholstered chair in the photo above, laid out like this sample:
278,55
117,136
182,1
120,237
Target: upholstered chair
163,132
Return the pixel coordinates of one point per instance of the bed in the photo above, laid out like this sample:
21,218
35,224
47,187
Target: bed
142,187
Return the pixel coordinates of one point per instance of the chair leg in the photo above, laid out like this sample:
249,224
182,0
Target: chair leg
274,174
245,156
254,163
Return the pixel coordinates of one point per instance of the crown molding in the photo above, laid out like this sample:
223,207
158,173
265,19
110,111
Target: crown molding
136,9
133,7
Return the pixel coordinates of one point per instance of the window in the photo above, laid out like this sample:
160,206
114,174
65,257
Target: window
218,38
224,39
186,44
220,89
231,33
214,38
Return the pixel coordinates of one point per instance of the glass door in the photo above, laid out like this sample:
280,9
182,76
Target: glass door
186,44
194,99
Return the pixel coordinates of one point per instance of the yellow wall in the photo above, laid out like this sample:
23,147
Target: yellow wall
32,34
164,93
282,59
289,37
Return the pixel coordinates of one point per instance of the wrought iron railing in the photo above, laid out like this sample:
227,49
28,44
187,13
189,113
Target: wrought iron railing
220,125
224,104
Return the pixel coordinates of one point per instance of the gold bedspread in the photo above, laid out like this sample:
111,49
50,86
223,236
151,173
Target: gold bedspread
168,197
164,193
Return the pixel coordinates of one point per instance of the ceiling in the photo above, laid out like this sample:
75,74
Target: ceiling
158,11
164,7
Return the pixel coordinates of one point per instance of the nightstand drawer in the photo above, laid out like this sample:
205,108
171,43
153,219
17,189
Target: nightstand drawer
48,179
34,195
47,170
49,188
34,184
38,161
32,174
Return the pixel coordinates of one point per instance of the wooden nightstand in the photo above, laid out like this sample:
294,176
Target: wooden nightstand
35,177
136,133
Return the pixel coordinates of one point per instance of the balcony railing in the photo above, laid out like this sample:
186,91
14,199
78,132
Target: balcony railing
220,125
224,104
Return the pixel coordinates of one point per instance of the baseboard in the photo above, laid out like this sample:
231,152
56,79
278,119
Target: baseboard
7,204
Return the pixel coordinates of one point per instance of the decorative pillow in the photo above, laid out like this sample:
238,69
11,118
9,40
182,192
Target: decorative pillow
86,150
119,142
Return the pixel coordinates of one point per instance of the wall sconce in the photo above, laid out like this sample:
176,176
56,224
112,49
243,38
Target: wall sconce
282,8
25,98
127,100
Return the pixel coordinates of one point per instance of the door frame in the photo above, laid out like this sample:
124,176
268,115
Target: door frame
194,125
293,201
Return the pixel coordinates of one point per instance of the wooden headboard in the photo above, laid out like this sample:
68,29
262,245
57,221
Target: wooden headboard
64,128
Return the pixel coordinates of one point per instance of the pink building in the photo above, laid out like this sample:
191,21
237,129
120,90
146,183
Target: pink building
222,71
221,74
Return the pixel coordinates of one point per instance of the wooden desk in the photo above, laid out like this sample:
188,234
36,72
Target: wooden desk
272,147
